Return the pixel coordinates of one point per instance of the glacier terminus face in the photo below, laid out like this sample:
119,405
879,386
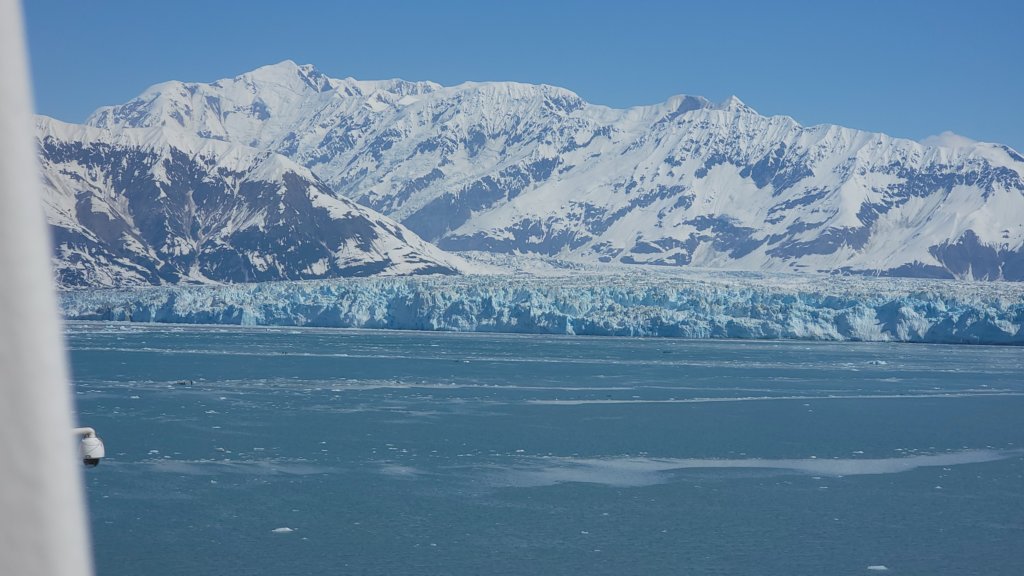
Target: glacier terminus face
719,305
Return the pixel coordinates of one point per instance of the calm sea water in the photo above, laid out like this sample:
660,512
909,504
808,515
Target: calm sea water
362,452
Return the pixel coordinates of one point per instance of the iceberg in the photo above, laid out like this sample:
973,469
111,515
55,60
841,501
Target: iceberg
709,305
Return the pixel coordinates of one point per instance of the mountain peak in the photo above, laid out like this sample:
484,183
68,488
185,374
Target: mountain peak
948,139
733,103
287,72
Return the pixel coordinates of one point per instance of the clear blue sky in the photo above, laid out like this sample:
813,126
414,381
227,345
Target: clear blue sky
907,68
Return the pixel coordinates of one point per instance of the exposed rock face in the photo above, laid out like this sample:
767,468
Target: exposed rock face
145,206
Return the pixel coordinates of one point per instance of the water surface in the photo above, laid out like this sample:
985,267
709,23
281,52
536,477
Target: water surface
301,451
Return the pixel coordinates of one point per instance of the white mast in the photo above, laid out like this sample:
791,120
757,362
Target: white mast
43,531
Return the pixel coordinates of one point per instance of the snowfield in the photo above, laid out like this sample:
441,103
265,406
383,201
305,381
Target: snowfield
691,305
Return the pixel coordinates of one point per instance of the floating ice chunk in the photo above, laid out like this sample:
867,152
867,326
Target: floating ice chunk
646,471
878,568
283,530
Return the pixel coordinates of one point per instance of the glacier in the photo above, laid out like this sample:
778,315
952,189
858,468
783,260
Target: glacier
710,304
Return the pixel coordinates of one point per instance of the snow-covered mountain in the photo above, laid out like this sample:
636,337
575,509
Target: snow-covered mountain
155,206
517,168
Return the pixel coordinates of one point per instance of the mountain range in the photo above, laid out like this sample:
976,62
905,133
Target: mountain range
286,173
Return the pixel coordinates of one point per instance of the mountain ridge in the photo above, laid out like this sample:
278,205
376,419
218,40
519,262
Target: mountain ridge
521,168
148,206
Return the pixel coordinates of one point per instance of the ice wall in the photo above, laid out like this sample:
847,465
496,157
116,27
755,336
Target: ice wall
724,305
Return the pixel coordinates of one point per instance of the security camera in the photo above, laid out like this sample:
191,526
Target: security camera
92,446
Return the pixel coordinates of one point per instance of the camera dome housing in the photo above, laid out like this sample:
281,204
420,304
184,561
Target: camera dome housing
91,447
